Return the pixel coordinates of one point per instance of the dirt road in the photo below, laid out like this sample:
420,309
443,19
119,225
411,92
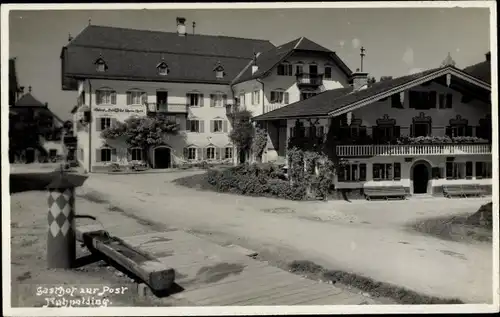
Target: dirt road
368,238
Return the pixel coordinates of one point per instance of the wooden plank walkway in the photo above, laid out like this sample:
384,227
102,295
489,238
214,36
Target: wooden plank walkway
212,275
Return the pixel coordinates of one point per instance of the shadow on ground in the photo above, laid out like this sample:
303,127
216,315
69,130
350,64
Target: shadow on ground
24,182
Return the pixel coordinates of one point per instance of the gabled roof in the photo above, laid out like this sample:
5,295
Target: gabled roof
268,60
27,100
338,101
480,70
134,54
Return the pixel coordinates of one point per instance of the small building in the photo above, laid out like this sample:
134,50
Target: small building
420,131
35,132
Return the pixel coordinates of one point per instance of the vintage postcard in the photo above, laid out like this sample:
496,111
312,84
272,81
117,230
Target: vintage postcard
249,158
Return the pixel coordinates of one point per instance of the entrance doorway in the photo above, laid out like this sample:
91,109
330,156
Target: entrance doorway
162,157
420,178
30,155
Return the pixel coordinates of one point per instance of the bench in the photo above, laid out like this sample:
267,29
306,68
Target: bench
463,190
385,192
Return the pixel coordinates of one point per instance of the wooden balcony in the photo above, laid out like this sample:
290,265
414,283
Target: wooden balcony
309,80
154,107
412,150
273,106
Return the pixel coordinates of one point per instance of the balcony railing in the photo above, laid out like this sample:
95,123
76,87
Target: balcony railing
163,107
273,106
309,79
410,150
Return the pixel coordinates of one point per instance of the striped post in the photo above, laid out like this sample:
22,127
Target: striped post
61,240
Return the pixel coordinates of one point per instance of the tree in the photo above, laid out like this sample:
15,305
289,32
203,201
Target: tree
142,132
259,142
371,81
242,133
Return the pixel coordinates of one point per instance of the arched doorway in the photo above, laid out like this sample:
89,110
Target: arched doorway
162,157
421,175
29,155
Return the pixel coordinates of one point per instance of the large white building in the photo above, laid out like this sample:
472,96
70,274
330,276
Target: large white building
195,78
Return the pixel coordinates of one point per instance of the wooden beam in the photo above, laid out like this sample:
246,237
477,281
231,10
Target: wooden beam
149,269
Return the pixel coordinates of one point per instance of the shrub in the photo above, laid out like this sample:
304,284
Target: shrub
255,180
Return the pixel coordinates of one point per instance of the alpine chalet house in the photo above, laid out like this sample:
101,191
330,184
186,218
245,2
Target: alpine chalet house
428,133
198,80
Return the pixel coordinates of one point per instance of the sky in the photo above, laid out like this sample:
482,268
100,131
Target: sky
398,41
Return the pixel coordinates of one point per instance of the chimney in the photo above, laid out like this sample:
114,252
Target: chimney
359,80
181,27
255,67
46,105
488,56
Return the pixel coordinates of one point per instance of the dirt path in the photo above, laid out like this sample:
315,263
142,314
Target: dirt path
353,237
28,245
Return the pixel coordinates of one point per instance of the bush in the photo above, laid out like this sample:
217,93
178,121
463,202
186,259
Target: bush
482,217
255,180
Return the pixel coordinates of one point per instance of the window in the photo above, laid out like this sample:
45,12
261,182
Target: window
241,99
104,123
278,96
210,153
52,153
396,102
195,126
218,100
105,96
387,171
162,69
136,97
307,95
328,72
299,69
218,126
285,69
106,155
100,65
255,97
228,153
352,173
194,99
483,169
422,100
136,154
190,153
455,170
219,74
320,131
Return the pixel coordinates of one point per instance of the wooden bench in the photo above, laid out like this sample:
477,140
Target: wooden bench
385,192
463,190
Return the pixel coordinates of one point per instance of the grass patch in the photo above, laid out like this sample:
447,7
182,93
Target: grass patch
198,181
374,288
464,228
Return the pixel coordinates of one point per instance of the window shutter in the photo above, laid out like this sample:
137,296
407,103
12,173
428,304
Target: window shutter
212,124
449,101
218,153
201,126
224,100
129,98
201,100
98,124
98,155
224,126
397,131
413,98
432,99
362,172
186,153
144,98
468,130
113,155
397,171
286,98
212,100
188,100
375,133
98,97
362,131
199,154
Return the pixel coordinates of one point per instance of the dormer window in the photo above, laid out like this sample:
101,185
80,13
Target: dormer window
219,71
100,65
162,69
